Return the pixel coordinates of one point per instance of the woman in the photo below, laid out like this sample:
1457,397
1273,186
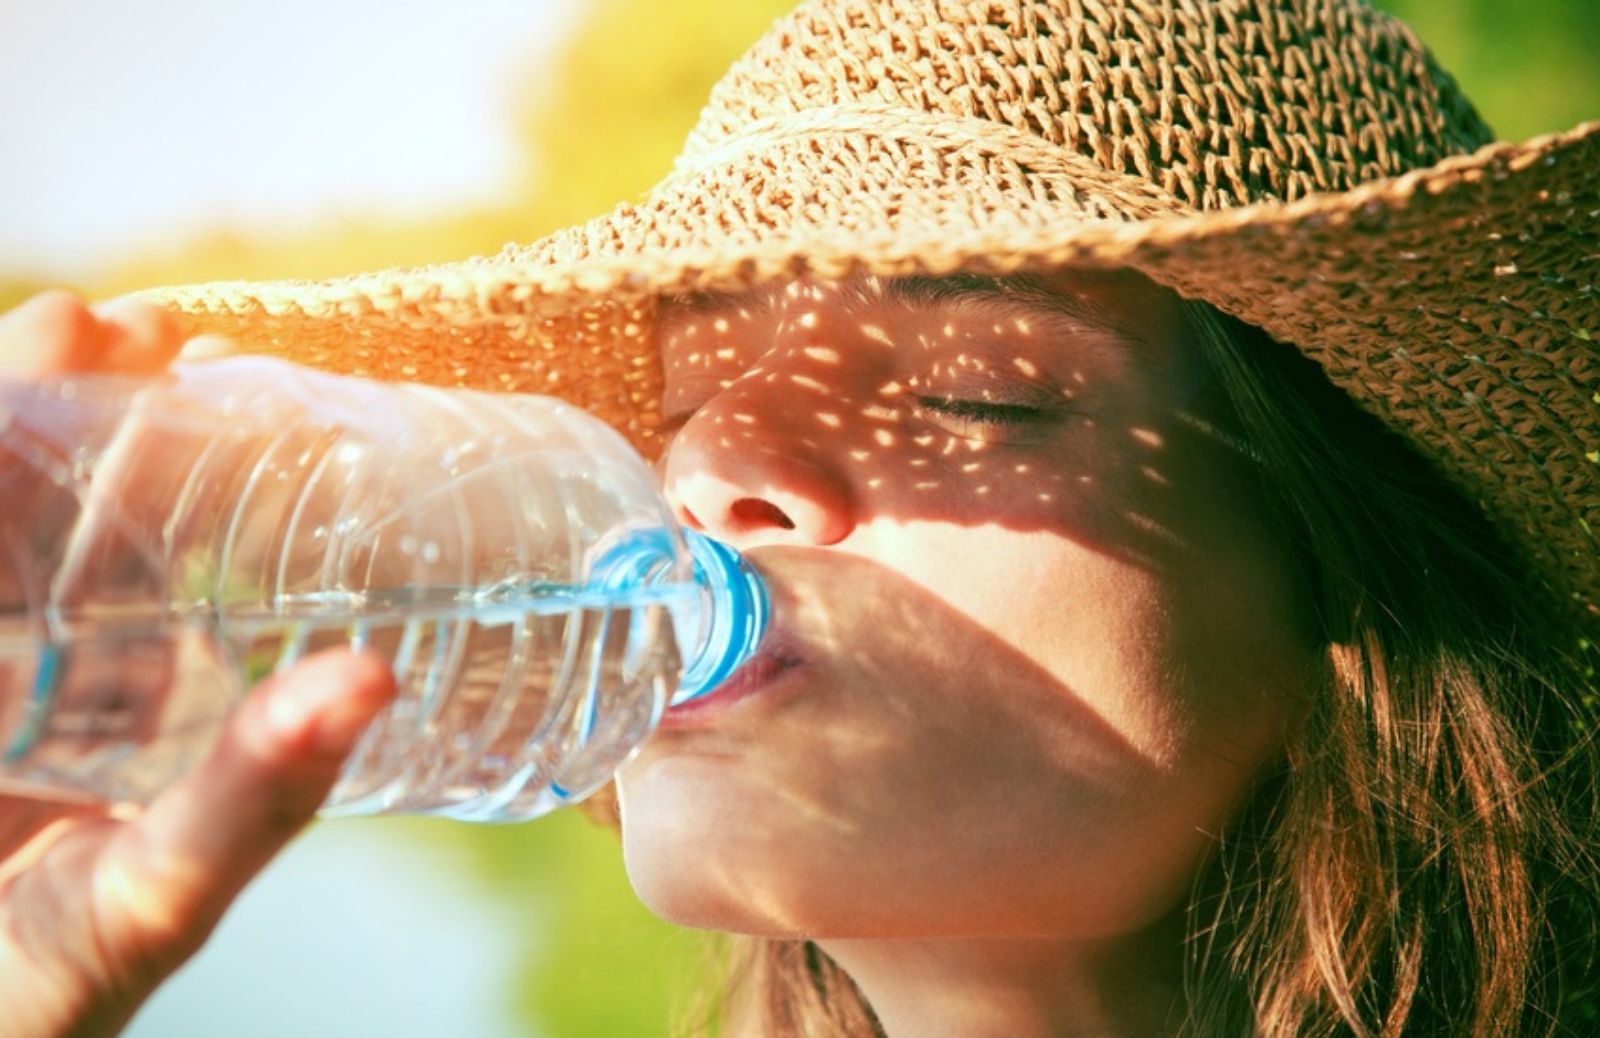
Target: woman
1129,677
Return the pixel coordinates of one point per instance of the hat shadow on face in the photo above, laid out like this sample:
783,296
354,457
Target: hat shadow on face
812,410
812,446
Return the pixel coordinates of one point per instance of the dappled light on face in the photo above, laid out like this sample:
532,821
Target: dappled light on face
966,401
1024,499
874,333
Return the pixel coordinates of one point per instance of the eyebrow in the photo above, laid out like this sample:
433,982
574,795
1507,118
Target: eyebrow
1020,290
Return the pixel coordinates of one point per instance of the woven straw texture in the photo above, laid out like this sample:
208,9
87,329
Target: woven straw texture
1302,164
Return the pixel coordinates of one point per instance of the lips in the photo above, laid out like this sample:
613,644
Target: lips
760,672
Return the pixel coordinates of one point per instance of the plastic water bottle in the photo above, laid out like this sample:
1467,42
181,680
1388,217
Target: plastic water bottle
166,543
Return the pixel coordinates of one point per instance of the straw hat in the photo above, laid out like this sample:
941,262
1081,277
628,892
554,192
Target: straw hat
1301,164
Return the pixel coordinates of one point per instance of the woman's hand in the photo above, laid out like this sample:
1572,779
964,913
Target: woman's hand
98,907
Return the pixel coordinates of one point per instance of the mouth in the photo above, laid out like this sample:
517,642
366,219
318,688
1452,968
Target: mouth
767,668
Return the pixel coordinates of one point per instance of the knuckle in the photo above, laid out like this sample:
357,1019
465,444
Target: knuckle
152,322
56,300
57,312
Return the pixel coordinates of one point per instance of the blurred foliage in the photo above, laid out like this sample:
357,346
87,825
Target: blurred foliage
348,247
594,960
599,125
608,119
1530,68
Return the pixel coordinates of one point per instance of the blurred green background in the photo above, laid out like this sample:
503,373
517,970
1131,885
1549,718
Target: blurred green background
598,118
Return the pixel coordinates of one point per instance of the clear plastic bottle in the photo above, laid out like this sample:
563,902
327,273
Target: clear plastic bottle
166,543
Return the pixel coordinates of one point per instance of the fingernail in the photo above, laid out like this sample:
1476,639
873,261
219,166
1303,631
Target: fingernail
207,347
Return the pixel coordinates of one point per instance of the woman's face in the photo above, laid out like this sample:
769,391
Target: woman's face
1033,637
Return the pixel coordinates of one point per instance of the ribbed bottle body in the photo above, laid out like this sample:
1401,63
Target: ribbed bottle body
171,542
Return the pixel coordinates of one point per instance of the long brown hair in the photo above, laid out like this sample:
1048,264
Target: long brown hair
1423,861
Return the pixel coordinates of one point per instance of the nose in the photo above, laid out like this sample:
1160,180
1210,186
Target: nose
740,470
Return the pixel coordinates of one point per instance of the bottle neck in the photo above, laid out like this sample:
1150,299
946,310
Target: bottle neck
736,608
720,625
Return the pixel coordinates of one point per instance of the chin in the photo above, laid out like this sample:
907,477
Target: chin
707,888
688,872
695,859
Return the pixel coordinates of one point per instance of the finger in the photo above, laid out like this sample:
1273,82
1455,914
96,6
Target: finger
137,338
168,876
51,333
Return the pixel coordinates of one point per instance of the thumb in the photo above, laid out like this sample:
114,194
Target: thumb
167,877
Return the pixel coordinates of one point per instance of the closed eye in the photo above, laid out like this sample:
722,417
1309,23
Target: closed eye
982,411
988,421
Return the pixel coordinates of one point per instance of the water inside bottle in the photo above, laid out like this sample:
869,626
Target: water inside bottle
512,699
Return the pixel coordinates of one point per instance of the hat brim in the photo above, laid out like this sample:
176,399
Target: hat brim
1458,303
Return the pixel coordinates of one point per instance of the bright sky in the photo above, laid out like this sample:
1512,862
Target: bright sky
123,121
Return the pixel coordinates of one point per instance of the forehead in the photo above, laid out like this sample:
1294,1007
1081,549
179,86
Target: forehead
1081,301
1027,318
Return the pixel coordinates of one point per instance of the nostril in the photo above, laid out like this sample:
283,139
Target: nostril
751,512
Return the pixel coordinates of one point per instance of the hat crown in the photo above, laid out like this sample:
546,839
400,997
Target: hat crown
1219,103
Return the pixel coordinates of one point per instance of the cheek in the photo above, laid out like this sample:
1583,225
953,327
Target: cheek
1108,634
1191,672
983,805
1009,741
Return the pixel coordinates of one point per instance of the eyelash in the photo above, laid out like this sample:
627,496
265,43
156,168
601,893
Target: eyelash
982,412
977,412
